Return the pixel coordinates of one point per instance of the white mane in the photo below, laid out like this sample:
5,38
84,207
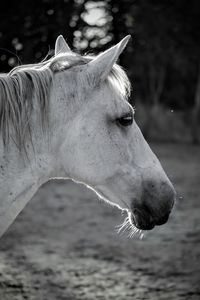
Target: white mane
27,82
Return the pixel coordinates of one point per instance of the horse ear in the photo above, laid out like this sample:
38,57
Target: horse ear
61,46
101,66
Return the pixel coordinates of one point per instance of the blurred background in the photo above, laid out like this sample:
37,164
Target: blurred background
64,244
162,59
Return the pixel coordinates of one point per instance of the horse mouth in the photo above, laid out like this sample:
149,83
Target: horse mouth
142,220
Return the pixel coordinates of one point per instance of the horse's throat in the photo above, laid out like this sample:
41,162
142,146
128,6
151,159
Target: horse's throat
16,193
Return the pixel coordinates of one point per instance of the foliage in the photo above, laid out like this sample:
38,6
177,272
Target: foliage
162,58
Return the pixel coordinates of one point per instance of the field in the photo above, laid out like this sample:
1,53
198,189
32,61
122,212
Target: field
64,245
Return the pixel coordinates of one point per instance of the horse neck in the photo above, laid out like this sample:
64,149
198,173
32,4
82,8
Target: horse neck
21,175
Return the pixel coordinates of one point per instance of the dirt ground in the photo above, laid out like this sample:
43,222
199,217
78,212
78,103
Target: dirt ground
64,244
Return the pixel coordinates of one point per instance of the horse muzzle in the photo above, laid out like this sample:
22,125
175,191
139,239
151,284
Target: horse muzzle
154,206
143,220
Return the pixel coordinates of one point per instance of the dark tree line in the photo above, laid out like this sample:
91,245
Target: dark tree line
162,58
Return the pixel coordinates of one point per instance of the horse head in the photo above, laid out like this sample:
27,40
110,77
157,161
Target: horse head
100,143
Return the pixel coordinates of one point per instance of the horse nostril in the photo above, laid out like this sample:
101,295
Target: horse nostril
158,194
149,185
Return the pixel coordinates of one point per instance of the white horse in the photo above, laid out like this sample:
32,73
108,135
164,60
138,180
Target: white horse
68,117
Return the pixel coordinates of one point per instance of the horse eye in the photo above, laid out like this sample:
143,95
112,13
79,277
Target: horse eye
126,120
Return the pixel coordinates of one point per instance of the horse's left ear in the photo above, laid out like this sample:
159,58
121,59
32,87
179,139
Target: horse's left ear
61,45
101,66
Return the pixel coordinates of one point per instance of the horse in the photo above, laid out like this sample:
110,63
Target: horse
69,117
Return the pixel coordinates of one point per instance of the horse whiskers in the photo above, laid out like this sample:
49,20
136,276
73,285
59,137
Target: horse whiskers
130,228
122,227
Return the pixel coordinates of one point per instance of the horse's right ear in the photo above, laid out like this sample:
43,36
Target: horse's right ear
101,66
61,46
